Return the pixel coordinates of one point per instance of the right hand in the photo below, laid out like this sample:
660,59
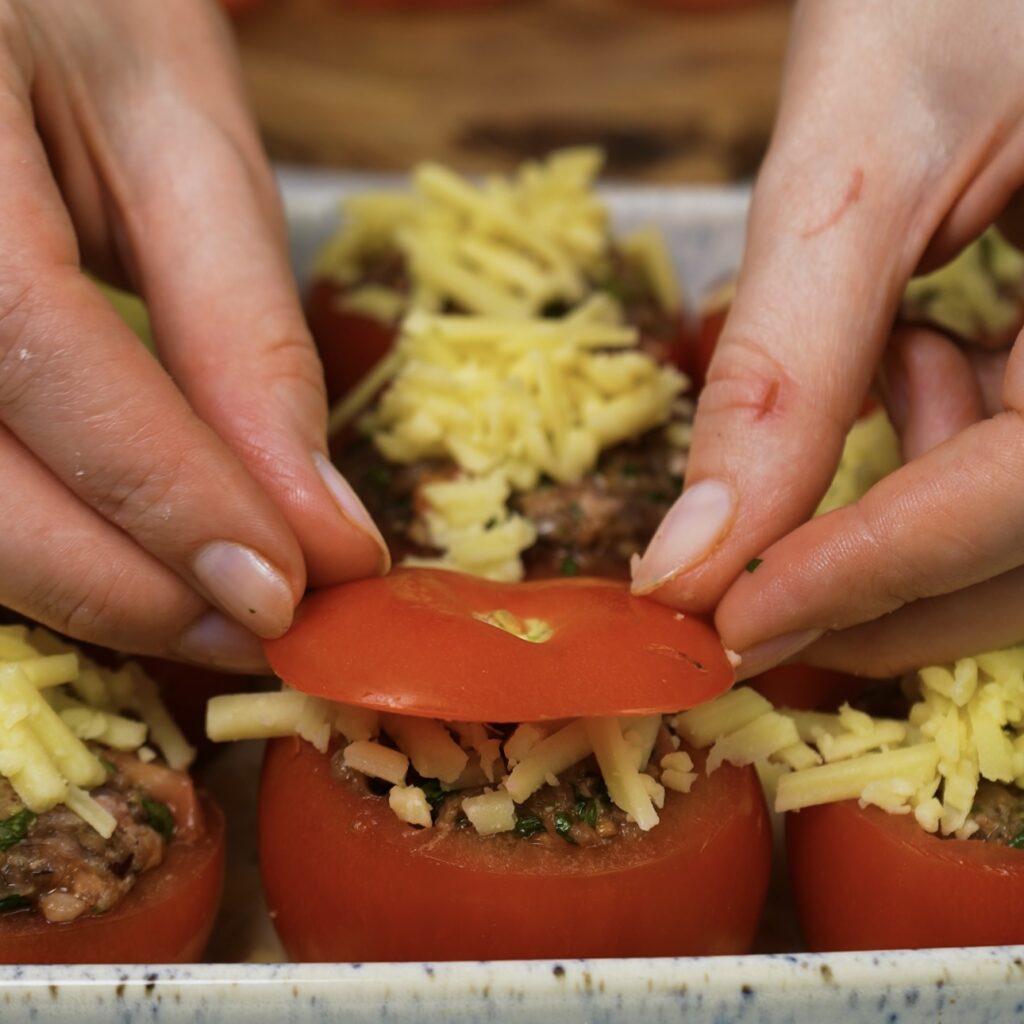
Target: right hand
899,139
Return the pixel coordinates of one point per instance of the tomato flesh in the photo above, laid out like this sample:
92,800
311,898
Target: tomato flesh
350,344
346,880
410,643
864,879
809,688
166,918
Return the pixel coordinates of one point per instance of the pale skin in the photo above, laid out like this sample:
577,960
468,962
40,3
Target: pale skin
176,511
899,139
185,514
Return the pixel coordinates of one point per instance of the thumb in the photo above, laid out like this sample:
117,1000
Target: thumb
817,295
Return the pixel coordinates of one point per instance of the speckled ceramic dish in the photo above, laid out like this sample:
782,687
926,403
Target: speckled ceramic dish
705,230
900,988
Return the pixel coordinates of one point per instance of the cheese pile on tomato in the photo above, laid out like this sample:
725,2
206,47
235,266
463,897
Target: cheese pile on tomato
967,725
977,296
505,394
53,700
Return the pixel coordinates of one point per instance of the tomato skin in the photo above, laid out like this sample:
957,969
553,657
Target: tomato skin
166,918
411,643
350,344
864,879
809,688
346,880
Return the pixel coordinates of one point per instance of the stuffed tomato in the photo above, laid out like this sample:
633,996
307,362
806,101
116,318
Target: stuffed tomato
524,418
108,854
866,879
526,767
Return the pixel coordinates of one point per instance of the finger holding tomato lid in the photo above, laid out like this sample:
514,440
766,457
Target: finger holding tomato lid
513,754
108,853
836,231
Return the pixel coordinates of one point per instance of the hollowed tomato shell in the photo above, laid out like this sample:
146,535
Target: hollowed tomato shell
346,880
412,643
864,879
166,918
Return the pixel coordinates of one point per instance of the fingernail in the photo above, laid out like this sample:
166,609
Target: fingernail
246,586
690,531
217,641
351,507
770,653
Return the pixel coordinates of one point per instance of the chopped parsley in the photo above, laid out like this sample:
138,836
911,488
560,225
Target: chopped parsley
1017,842
586,809
110,767
432,791
380,476
630,469
9,903
570,567
563,826
754,564
526,827
15,828
158,817
491,523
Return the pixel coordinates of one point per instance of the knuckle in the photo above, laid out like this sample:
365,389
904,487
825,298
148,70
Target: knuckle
751,385
83,605
139,493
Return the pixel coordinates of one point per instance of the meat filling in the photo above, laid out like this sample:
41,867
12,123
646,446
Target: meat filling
588,529
999,814
57,864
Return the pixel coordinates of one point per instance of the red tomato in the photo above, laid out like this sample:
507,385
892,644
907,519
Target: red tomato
350,344
347,880
864,879
412,642
807,688
166,918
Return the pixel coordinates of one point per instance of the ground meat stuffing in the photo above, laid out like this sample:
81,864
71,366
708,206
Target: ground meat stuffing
56,863
591,528
999,813
575,812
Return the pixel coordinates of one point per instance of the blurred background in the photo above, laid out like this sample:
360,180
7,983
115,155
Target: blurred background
673,90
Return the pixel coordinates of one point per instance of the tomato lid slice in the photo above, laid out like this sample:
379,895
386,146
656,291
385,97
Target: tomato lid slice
444,645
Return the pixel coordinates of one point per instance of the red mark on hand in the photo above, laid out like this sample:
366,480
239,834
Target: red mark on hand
851,196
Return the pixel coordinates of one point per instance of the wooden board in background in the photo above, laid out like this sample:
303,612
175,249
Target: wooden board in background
671,96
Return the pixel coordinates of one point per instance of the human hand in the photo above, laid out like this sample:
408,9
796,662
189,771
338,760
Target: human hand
900,137
146,509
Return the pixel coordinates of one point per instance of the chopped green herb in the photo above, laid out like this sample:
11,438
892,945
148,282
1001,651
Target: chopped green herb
1017,842
433,792
563,826
491,523
526,827
677,481
379,476
9,903
158,817
659,497
630,469
570,567
110,767
754,563
15,828
586,809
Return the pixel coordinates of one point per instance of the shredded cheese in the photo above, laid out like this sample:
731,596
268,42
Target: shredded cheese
53,700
